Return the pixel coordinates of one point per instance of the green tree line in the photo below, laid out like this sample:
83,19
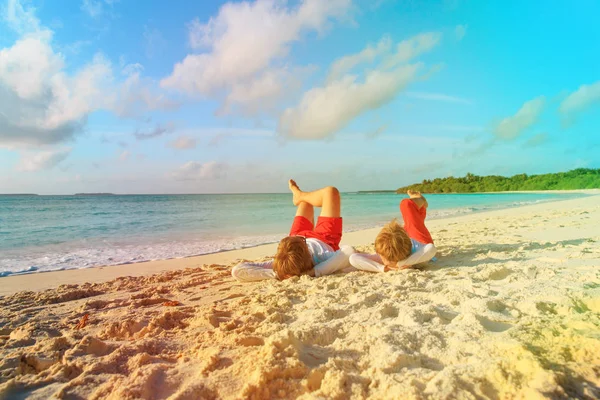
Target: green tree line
580,178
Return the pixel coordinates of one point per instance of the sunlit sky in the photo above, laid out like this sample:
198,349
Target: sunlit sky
132,96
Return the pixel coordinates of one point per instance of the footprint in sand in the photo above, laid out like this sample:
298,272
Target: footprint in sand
446,316
33,364
90,345
496,305
230,297
494,274
169,320
150,302
388,311
545,307
313,356
95,304
121,330
320,336
217,317
493,326
330,314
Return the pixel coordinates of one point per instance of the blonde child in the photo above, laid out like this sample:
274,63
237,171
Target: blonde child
399,247
309,249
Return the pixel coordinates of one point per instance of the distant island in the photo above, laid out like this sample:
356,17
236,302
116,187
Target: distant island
94,194
375,191
581,178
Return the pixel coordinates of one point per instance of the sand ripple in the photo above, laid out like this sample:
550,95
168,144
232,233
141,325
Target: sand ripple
504,313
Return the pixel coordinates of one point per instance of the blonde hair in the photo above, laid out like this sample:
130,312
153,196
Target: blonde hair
393,242
292,258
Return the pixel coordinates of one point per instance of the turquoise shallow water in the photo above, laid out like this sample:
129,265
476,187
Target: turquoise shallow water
39,233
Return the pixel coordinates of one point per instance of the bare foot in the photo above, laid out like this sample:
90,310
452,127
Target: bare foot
295,191
413,194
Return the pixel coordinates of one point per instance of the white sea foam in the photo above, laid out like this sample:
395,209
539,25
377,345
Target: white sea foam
87,253
52,258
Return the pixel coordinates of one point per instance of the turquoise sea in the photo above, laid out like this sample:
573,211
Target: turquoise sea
43,233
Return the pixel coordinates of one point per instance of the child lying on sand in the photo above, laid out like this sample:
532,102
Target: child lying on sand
308,250
397,247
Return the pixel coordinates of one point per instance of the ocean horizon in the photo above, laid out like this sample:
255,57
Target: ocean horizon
57,232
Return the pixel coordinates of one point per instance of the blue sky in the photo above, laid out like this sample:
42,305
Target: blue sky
132,96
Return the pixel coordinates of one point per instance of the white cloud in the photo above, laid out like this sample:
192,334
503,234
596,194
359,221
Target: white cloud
27,66
237,133
130,69
325,110
23,21
43,104
154,41
31,162
219,138
136,94
438,97
40,103
403,52
78,95
239,64
193,170
92,7
537,140
408,49
183,143
512,127
367,55
158,130
581,99
96,8
263,94
124,155
377,132
460,31
75,47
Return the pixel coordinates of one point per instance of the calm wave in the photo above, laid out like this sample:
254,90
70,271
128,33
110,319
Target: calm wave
42,233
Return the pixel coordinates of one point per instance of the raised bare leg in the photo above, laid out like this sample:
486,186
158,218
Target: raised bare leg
328,198
307,211
417,198
414,213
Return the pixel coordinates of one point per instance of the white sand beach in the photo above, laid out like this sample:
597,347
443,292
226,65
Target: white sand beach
511,309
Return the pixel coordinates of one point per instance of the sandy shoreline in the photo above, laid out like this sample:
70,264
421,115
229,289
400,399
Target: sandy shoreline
510,310
46,280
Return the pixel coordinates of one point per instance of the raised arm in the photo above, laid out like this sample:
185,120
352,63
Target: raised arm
249,272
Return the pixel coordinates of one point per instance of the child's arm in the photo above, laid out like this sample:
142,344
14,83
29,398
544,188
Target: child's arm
340,260
423,254
374,263
249,272
367,262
